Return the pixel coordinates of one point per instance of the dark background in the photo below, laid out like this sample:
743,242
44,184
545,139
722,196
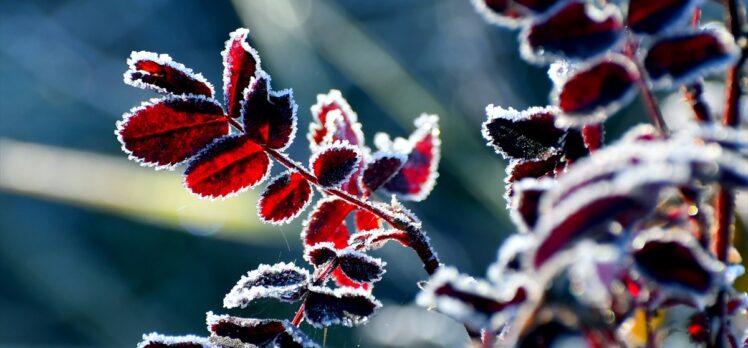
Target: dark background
95,251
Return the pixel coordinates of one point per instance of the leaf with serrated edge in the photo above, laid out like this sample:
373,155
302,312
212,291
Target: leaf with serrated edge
284,198
154,340
240,64
335,163
282,281
159,73
343,306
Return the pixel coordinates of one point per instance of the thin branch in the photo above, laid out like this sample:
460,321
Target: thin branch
419,242
649,100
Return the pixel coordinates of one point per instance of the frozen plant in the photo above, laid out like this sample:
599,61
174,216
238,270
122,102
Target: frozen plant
612,240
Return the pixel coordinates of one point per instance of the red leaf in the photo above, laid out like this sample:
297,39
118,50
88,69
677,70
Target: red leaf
366,221
519,169
524,205
673,259
334,164
381,168
269,116
284,198
500,12
652,17
334,120
417,177
578,31
166,132
320,254
326,223
158,72
344,281
251,331
527,134
228,166
596,91
345,306
240,62
684,58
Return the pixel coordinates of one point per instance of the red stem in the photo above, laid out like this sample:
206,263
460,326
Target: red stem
418,240
725,202
649,100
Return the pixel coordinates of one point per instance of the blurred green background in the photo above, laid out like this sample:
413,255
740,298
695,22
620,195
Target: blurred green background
95,250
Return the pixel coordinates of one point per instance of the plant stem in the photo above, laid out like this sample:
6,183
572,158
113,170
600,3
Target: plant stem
418,240
695,97
649,100
725,202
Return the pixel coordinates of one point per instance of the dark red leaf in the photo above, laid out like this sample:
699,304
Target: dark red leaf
597,91
251,331
282,281
374,239
668,261
577,31
593,136
590,220
325,222
503,13
359,267
269,116
240,62
158,72
228,331
698,328
472,302
417,177
524,206
366,221
344,306
343,281
521,169
527,134
321,253
575,146
652,17
381,168
284,198
155,340
335,163
166,132
334,120
230,165
683,58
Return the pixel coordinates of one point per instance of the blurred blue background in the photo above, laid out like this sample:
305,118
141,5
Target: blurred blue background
95,250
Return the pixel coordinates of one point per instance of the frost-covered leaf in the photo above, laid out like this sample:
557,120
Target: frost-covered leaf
282,281
596,91
224,328
524,205
674,260
284,198
381,168
417,177
366,221
343,306
527,134
228,166
592,136
324,222
475,303
334,120
166,132
269,116
523,169
503,13
375,239
578,31
360,267
240,63
333,164
154,340
321,253
158,72
512,257
653,17
683,58
228,331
